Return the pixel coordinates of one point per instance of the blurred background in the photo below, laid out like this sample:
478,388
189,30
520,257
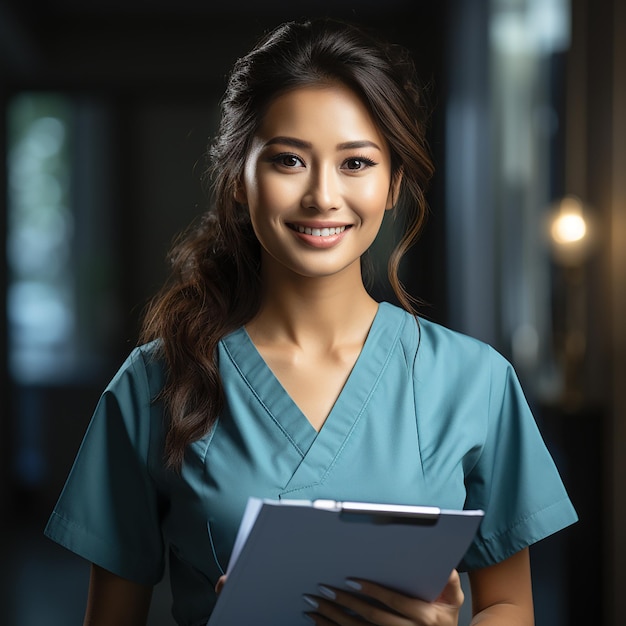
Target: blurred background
106,108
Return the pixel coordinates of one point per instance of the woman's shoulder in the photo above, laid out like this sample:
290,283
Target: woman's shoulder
150,353
441,339
144,367
430,335
431,346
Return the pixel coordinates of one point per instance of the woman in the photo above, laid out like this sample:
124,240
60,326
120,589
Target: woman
268,370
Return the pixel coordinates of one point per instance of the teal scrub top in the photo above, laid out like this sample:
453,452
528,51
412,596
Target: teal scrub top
427,417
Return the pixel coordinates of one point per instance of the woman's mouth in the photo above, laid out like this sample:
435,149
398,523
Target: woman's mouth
318,232
320,237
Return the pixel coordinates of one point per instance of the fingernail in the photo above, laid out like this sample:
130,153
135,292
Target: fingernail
353,584
327,591
310,600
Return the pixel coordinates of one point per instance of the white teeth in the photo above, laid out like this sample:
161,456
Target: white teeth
320,232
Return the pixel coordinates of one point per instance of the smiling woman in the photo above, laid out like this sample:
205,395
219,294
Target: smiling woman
304,178
269,370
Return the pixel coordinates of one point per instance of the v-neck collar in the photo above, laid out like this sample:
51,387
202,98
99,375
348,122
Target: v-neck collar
319,448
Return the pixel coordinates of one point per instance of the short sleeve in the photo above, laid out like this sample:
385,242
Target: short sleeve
108,511
514,480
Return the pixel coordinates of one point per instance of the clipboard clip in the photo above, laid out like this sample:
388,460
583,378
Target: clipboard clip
381,514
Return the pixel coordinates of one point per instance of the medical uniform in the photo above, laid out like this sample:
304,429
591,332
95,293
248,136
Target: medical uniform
428,416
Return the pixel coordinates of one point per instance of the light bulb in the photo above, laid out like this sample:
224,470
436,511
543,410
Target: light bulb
568,228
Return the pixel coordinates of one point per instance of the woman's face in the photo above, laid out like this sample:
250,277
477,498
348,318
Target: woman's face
317,181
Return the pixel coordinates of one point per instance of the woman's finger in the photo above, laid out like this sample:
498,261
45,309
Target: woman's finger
451,598
316,618
326,611
348,609
452,593
220,584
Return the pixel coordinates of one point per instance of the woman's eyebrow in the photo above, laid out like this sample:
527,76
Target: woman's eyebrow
290,141
353,145
307,145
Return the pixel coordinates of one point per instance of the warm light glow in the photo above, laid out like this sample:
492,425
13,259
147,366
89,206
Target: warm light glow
568,228
568,224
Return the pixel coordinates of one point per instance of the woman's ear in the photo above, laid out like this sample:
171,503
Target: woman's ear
394,190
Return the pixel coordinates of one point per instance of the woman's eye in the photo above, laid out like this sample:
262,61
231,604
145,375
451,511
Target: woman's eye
359,163
288,160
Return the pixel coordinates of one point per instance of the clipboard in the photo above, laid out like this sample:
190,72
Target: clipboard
286,548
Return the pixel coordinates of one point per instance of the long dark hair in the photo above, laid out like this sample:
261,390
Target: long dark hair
215,282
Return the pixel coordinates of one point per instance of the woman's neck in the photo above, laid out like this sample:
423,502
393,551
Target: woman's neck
320,312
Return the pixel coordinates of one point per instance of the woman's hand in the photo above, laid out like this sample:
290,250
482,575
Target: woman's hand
373,604
220,584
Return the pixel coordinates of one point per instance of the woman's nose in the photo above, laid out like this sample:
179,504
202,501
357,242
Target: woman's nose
323,190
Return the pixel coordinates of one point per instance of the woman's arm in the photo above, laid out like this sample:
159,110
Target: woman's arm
502,593
115,601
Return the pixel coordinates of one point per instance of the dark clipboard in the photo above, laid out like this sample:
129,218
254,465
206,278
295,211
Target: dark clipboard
286,548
